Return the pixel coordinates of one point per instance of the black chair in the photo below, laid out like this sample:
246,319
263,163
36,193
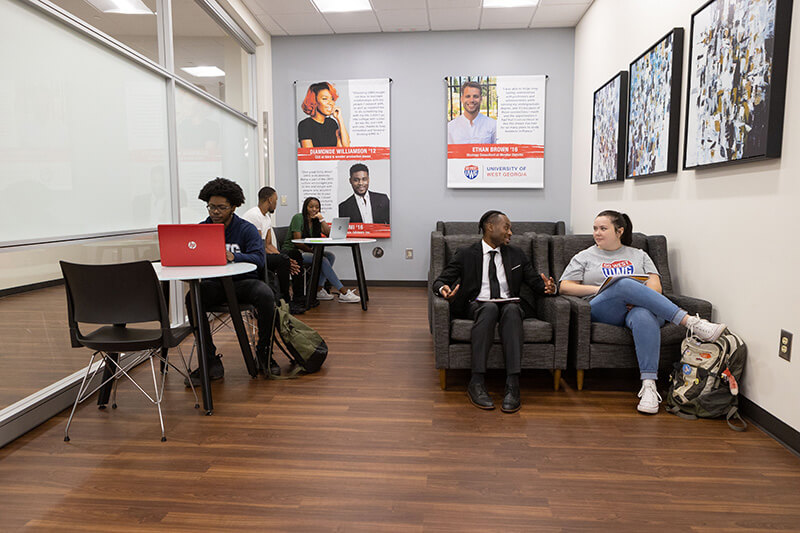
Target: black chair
117,295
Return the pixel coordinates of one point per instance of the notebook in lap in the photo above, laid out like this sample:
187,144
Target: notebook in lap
192,244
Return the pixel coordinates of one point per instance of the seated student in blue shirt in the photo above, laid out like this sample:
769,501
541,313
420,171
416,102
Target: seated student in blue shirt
243,244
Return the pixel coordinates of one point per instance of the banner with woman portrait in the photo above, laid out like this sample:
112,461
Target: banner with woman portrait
495,131
343,151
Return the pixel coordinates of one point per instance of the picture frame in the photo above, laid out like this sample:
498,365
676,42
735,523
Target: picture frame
609,130
654,100
736,92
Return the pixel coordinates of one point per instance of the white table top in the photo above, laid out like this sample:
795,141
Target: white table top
328,241
201,272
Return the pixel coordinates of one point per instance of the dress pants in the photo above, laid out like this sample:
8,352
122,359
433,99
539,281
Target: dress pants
248,291
488,315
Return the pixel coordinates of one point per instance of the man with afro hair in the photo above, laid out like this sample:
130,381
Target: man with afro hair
243,245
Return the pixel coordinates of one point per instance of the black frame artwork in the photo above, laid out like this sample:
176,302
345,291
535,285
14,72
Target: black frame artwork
736,87
654,106
603,138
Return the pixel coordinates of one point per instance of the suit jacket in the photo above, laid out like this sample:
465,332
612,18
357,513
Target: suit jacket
380,208
466,267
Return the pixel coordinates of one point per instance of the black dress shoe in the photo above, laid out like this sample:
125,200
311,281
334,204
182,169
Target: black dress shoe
274,367
479,396
511,403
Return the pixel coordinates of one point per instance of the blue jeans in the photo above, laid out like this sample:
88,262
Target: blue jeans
650,310
326,271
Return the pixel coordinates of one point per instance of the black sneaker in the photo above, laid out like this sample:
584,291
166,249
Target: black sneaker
215,372
274,367
296,308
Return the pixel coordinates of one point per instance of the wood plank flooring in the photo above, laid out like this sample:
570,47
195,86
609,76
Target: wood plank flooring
372,444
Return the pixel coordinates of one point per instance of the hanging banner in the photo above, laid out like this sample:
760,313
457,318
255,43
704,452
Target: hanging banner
343,151
495,132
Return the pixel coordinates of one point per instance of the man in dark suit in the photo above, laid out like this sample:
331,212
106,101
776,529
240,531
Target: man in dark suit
363,205
492,270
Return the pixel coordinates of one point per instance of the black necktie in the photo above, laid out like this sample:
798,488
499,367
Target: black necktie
494,284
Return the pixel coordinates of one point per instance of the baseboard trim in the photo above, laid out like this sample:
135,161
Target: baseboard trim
388,283
771,425
31,287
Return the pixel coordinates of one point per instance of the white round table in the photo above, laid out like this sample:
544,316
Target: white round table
318,245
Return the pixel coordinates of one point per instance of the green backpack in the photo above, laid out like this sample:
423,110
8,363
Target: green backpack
300,342
705,383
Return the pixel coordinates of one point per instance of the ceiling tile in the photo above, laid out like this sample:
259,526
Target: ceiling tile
566,14
404,20
383,5
283,7
563,2
272,27
302,24
455,19
518,17
448,4
255,7
355,22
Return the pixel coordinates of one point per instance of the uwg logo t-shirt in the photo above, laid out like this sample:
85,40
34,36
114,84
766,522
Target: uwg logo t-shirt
593,265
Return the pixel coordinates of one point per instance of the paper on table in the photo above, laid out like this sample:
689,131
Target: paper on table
498,300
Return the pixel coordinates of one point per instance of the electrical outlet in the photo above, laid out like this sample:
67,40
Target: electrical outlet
785,346
409,253
283,200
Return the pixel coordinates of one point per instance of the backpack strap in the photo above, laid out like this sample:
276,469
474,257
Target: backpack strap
734,413
675,410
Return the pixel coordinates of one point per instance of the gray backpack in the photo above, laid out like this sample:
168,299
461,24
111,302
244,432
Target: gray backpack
705,383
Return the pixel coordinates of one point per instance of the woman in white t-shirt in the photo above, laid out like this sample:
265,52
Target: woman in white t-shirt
639,306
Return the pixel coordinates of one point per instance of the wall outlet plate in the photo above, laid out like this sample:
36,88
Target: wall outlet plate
785,345
283,200
409,253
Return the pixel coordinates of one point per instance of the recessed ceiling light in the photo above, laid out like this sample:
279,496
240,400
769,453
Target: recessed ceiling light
204,71
509,3
121,7
342,6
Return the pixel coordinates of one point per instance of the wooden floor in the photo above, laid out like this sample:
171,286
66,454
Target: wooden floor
372,444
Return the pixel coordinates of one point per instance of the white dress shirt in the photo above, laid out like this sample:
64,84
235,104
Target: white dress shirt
482,130
486,291
365,207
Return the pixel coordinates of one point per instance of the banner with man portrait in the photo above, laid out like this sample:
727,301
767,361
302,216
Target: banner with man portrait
495,132
343,151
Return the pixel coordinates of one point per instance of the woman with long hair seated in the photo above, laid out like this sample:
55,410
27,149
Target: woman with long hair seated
325,123
639,306
310,223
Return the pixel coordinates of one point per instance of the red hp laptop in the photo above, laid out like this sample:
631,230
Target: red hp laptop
192,244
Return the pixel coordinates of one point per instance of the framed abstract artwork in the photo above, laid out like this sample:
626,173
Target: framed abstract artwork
738,58
654,100
608,130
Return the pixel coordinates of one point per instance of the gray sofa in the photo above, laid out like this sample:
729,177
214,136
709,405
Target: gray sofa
596,345
545,337
471,228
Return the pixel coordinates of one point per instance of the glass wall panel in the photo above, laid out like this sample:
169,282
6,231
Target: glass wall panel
114,18
212,143
83,134
200,42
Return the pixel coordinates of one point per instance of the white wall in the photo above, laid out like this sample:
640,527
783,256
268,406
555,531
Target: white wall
417,63
732,231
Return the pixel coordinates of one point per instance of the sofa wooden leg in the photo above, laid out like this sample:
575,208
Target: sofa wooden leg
443,378
580,379
556,379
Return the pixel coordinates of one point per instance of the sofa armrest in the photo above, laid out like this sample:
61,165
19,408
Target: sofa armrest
556,311
580,332
692,305
441,330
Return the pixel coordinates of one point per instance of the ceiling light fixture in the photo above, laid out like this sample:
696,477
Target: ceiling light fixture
509,3
121,7
342,6
204,71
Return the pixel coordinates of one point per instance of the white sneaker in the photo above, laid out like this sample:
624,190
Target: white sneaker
322,294
703,329
649,397
350,297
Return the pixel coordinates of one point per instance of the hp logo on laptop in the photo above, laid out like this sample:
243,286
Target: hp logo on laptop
192,245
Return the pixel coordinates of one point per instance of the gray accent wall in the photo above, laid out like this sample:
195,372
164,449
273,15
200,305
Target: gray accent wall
417,64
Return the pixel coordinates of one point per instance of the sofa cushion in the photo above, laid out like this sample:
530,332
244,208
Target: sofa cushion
533,331
608,334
